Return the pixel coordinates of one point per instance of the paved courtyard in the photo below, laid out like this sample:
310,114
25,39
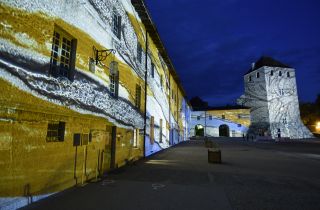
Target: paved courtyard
251,176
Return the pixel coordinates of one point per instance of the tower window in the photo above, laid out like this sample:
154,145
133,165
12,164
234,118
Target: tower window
288,74
280,73
63,54
258,74
114,79
271,73
250,78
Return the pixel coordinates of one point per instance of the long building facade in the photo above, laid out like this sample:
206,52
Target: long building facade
86,87
220,121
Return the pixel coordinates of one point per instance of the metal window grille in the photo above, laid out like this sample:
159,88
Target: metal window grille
138,96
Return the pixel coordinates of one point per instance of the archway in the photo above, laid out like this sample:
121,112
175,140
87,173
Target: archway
199,130
224,130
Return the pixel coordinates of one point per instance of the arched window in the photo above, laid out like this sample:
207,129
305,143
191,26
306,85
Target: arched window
271,73
288,74
280,73
258,74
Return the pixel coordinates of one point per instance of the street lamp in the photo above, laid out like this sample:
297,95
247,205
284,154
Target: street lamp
318,126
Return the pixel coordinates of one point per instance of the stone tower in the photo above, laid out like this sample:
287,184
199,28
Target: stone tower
271,93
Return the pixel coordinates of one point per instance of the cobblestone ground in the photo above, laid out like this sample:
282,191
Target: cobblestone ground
263,175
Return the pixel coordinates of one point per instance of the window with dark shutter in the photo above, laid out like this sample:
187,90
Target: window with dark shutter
117,25
152,70
63,54
139,53
55,131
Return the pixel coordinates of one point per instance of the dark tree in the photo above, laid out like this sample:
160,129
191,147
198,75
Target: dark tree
198,104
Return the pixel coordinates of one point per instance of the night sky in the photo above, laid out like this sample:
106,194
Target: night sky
212,43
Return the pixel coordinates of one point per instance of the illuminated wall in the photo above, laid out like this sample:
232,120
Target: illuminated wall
237,121
271,92
65,118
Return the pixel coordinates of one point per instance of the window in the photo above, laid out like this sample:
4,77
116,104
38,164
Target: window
271,73
210,117
250,78
161,81
281,92
63,54
139,53
152,70
114,79
135,137
55,131
284,120
258,74
280,73
152,130
160,132
138,96
223,116
239,125
198,117
288,74
117,25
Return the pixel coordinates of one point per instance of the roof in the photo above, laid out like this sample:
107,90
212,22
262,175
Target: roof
267,61
145,17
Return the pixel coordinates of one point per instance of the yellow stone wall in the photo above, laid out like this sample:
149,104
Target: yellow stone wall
232,115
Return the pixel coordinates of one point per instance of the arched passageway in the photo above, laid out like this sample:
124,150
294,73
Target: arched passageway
199,130
224,130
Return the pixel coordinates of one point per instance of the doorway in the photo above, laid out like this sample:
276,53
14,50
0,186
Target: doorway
224,130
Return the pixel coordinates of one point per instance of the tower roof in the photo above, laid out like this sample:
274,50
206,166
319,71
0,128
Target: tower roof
267,61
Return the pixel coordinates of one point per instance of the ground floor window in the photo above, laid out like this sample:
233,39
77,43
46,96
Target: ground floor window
55,131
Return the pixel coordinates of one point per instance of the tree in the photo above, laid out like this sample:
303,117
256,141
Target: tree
197,103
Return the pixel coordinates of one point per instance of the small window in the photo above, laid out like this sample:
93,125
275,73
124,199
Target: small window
271,73
138,96
55,132
139,53
198,117
280,73
250,78
288,74
239,125
114,79
258,74
161,81
223,116
210,117
284,120
117,25
152,70
63,54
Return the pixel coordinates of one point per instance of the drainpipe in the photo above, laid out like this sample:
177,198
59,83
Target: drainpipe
145,96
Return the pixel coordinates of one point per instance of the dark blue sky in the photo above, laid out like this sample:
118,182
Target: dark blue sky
212,43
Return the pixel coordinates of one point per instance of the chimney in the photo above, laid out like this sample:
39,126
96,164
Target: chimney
253,65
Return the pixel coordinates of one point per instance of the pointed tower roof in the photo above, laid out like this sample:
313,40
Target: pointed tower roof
267,61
